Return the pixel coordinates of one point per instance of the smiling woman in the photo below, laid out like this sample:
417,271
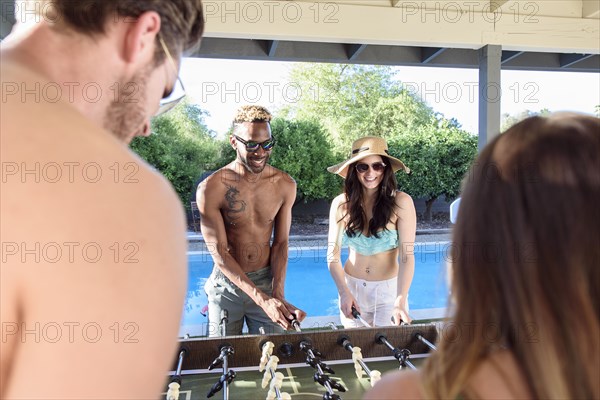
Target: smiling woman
378,223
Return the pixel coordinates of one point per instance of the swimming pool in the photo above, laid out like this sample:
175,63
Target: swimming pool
307,269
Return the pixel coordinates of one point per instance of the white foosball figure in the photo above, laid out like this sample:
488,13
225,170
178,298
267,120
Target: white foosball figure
276,384
375,377
357,355
265,379
267,350
173,392
271,395
271,365
273,361
268,363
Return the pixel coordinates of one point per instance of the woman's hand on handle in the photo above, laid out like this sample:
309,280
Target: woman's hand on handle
400,315
347,301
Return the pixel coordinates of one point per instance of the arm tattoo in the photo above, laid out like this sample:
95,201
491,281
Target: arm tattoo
235,206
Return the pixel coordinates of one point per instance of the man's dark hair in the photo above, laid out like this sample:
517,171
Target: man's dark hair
182,21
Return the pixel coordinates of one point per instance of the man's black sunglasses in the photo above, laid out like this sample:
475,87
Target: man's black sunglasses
253,146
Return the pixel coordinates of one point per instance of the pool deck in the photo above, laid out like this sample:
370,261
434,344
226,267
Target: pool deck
196,241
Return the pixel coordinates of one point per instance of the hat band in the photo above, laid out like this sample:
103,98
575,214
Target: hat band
359,150
367,148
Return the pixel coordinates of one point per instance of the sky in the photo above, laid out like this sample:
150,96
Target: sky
220,86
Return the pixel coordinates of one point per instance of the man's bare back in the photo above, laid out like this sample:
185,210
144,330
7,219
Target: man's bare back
90,234
93,270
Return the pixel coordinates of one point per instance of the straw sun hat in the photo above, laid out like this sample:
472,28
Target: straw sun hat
364,147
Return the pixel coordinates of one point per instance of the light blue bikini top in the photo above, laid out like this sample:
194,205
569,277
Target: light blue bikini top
369,245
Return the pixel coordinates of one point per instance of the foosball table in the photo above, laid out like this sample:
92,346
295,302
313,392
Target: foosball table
325,363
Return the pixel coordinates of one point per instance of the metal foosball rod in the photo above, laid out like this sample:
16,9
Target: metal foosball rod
175,384
427,342
228,375
224,322
333,326
344,341
222,382
228,350
276,380
268,363
225,351
357,316
314,361
359,364
400,355
296,325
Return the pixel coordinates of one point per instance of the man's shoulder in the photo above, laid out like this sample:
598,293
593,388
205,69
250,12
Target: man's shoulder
219,178
279,177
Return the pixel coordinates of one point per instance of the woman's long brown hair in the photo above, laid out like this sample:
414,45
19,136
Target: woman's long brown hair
382,208
526,262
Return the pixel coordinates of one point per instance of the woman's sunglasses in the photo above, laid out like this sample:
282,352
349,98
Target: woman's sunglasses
253,146
361,168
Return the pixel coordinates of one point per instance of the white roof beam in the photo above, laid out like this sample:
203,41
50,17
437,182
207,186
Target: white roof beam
453,24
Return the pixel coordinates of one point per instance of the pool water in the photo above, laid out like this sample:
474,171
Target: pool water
310,287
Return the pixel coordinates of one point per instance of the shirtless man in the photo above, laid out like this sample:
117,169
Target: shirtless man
93,274
241,206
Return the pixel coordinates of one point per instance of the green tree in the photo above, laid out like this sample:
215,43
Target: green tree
509,120
225,153
302,150
181,147
351,101
438,156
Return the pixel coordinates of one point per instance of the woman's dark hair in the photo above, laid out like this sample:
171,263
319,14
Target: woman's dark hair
384,203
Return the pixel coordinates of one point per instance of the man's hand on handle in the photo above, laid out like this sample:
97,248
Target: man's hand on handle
281,312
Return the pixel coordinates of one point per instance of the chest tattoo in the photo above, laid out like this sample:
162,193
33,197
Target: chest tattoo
235,206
